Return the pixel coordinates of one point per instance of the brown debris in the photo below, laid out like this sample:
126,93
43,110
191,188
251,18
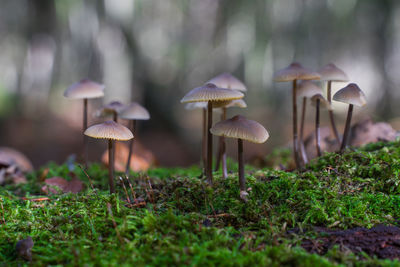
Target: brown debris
57,184
366,131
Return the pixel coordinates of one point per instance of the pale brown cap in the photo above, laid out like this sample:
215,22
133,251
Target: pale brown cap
308,89
331,72
322,101
85,89
109,109
227,80
134,111
351,94
109,130
210,92
241,128
295,71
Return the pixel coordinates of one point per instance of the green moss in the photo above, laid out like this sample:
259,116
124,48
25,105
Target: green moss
186,222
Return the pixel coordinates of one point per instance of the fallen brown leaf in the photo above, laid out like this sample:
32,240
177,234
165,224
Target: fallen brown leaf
56,185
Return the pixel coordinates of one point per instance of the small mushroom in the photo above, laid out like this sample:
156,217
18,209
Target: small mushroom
242,129
85,89
111,131
330,73
210,93
111,109
292,73
133,112
352,95
306,89
317,100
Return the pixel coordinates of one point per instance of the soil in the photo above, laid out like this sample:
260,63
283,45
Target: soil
381,241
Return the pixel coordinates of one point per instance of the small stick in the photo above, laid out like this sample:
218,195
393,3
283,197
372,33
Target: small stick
87,175
126,192
151,191
114,223
132,191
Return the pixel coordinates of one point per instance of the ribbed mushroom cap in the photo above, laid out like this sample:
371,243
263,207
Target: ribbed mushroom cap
351,94
227,80
238,103
210,92
196,105
295,71
109,130
308,89
85,89
241,128
331,72
134,111
322,101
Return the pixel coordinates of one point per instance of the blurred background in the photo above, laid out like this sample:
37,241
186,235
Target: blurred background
155,51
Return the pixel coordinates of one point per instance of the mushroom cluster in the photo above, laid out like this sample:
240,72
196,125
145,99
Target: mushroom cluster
109,130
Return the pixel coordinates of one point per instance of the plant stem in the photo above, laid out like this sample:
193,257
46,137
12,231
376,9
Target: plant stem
295,141
131,142
332,119
317,133
302,148
85,138
209,144
242,181
111,166
347,128
203,142
222,150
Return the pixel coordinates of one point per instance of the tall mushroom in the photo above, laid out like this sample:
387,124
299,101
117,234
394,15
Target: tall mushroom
239,103
85,89
330,73
352,95
306,89
317,100
210,93
133,112
292,73
225,80
111,131
203,107
242,129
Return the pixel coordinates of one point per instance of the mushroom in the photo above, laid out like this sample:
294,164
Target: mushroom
331,73
85,89
203,106
113,108
317,100
240,103
242,129
226,80
210,93
133,112
111,131
306,89
292,73
352,95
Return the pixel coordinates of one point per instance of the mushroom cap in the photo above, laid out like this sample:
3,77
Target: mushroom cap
295,71
85,89
109,109
134,111
210,92
308,89
322,101
109,130
351,94
196,105
331,72
241,128
238,103
227,80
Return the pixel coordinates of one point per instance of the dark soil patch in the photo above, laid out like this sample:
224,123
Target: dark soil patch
381,241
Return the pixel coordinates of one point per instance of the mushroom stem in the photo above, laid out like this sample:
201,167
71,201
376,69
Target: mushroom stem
222,150
317,132
115,119
332,119
85,146
128,162
242,181
347,128
209,144
111,166
302,148
295,141
204,143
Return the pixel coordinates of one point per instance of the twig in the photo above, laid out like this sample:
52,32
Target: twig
87,175
36,199
126,192
132,191
114,223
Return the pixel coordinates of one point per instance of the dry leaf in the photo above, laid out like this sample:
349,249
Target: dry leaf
366,131
58,184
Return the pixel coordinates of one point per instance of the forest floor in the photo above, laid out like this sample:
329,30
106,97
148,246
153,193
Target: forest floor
341,210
